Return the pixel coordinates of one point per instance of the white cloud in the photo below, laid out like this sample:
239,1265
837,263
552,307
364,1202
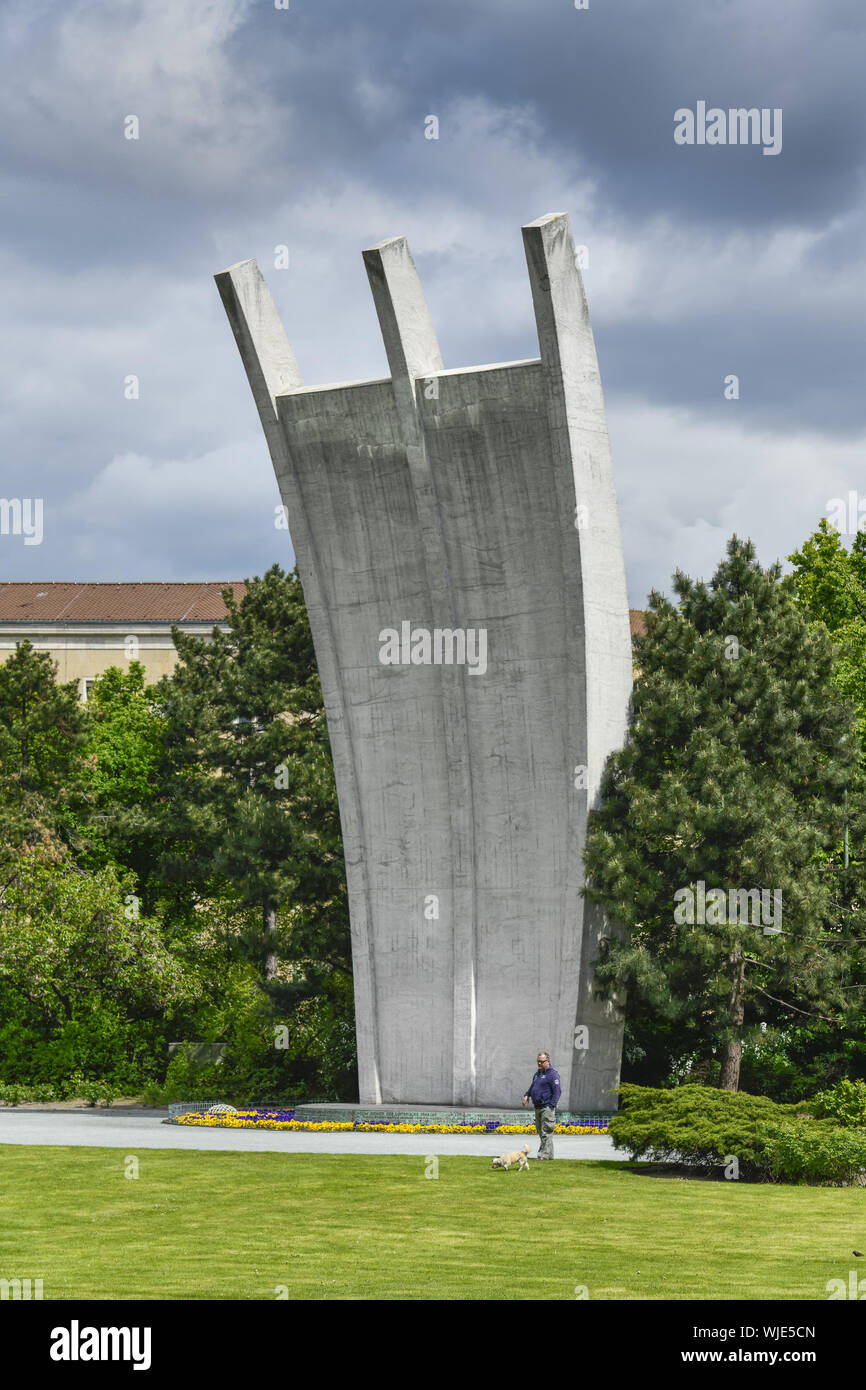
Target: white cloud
196,517
685,486
68,82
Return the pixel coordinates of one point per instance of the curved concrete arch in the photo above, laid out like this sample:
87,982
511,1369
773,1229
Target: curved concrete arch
438,506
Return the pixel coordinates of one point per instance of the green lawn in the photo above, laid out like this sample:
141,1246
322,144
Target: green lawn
198,1225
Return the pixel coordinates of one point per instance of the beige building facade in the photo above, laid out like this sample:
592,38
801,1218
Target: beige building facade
87,627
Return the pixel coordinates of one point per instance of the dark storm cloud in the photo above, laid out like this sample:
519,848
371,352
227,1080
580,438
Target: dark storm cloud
606,83
306,128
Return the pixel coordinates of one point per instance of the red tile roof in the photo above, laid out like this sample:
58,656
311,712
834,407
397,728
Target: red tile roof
101,602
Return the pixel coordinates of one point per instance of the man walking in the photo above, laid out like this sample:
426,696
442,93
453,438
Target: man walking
544,1092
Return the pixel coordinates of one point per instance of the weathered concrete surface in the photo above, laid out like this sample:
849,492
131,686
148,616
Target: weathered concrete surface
448,500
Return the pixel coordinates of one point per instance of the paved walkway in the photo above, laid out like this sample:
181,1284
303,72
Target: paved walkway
143,1130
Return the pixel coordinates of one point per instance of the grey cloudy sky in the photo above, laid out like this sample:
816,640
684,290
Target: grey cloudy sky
305,127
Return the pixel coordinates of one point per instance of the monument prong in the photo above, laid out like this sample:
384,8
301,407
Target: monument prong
404,318
265,350
601,677
273,373
413,355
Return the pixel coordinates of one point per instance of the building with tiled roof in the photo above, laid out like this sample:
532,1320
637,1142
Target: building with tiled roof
88,626
92,625
637,622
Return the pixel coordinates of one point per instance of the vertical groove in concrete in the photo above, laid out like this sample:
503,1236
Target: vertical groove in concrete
414,358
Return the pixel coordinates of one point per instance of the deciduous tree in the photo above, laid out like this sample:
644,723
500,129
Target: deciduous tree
739,756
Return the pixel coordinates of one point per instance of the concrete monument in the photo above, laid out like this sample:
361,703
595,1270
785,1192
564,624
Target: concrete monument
457,538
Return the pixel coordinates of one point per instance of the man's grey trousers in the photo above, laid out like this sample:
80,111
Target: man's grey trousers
545,1123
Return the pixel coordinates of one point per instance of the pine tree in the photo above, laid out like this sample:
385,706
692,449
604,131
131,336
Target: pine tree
43,733
739,756
250,808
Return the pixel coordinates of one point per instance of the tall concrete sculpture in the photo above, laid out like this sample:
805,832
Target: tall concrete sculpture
457,538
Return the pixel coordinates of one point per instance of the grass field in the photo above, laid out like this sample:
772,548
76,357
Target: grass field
197,1225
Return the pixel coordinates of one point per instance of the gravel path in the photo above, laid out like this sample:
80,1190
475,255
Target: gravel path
143,1130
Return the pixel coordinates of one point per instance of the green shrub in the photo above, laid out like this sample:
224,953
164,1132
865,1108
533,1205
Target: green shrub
845,1103
79,1087
696,1126
41,1093
178,1084
338,1070
805,1150
14,1094
100,1044
187,1079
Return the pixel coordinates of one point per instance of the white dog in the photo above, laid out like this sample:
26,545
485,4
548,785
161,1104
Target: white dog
518,1157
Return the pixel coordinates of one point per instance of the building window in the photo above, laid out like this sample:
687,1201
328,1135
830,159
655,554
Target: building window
87,685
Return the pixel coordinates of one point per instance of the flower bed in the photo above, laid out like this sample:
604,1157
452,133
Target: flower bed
284,1119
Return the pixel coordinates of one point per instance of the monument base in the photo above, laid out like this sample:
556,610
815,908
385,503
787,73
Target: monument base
437,1115
343,1112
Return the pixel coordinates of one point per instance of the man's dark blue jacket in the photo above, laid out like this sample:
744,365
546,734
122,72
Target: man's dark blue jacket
545,1088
